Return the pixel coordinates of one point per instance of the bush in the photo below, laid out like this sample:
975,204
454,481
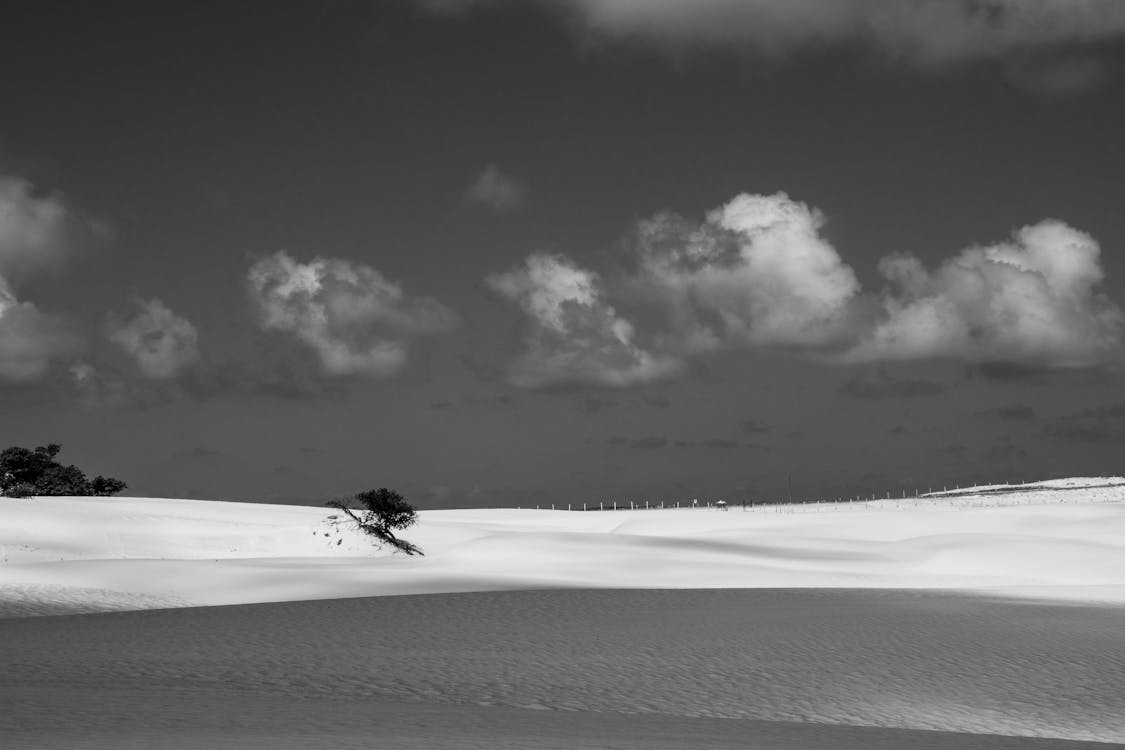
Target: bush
104,486
20,489
62,480
24,473
381,511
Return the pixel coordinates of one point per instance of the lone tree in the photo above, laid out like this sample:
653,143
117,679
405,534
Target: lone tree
24,473
380,511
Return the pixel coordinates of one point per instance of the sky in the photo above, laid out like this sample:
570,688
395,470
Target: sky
498,253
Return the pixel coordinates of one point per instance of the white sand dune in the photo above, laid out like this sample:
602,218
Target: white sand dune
967,620
1064,539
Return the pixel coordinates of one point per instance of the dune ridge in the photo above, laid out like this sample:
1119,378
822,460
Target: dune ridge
1063,540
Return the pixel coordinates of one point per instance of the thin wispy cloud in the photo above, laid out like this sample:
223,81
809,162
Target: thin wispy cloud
1053,76
1102,424
877,383
496,191
650,442
927,34
354,319
755,426
1010,412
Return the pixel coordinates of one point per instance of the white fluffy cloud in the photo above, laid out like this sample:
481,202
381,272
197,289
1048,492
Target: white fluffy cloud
36,230
1032,300
497,191
574,337
926,33
29,339
756,272
161,342
355,320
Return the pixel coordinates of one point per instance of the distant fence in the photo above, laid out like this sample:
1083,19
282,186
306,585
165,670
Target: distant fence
987,496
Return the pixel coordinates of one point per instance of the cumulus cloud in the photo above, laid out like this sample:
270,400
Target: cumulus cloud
926,33
357,321
756,272
162,342
574,336
30,340
37,230
497,191
1032,300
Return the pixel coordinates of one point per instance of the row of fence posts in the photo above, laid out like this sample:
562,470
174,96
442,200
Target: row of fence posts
634,505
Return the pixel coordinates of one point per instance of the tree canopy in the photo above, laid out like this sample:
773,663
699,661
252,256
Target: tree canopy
381,511
25,472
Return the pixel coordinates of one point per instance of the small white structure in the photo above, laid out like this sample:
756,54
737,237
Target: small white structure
721,505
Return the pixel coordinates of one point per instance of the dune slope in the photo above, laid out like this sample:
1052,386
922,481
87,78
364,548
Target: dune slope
633,664
100,554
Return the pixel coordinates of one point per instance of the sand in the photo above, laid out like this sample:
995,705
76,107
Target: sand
990,620
61,555
578,668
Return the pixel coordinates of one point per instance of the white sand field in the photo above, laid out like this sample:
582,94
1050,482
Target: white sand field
994,620
61,555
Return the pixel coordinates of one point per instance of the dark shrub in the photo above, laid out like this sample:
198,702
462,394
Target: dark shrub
381,511
20,489
104,486
37,469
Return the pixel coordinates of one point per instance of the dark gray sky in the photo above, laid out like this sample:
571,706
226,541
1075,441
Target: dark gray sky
499,253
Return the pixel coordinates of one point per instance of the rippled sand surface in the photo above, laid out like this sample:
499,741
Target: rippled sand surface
573,668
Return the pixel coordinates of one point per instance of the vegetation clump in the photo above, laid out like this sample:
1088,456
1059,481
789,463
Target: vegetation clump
27,473
380,512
